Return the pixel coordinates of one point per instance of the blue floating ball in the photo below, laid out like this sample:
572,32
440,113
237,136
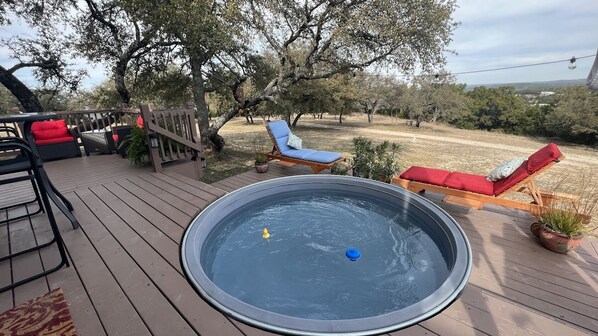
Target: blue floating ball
353,254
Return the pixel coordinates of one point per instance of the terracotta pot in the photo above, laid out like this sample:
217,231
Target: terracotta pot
261,167
558,242
536,228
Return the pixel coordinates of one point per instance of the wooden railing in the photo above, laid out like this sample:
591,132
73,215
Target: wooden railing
87,120
171,136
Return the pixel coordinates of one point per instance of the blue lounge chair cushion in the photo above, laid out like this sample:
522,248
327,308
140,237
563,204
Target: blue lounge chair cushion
312,155
280,131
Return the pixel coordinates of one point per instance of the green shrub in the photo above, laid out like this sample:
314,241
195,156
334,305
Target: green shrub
341,168
375,161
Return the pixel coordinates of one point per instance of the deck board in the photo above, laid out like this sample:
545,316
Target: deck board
126,277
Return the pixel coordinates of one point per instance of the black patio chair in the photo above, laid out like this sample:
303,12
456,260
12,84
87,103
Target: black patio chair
14,162
24,167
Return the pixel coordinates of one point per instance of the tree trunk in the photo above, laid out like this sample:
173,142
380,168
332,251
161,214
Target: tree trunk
297,118
217,142
340,118
119,81
20,91
248,118
197,86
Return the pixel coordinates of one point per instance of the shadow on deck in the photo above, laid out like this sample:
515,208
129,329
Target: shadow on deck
126,278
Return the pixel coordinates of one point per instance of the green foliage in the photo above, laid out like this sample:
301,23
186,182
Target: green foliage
259,148
8,103
340,168
138,150
375,161
573,217
169,88
575,117
566,222
431,99
103,95
260,158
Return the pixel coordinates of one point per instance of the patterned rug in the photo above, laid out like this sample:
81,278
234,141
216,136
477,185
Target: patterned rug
45,315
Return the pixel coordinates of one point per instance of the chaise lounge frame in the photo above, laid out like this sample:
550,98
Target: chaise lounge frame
316,167
541,199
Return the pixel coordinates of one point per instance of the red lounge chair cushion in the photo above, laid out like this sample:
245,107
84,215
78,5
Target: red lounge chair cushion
425,175
49,132
542,157
506,183
55,140
469,182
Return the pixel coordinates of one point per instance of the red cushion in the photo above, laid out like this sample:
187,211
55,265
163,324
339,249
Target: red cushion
425,175
542,157
54,140
469,182
519,174
51,129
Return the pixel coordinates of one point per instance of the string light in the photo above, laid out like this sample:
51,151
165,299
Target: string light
572,64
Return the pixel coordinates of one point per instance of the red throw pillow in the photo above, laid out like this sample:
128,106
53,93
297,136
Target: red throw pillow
542,157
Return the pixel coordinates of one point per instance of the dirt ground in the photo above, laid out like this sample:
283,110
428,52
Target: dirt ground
431,145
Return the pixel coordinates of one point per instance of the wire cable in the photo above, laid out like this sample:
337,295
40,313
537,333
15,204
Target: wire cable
519,66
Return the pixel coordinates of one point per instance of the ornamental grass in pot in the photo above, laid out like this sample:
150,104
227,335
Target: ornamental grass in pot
261,160
261,163
563,224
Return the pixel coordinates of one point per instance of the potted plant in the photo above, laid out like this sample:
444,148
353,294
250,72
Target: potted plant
135,147
261,160
563,223
375,161
261,163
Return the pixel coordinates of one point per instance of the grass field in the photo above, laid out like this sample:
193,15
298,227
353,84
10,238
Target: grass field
431,145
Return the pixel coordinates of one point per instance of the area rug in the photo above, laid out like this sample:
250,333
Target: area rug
45,315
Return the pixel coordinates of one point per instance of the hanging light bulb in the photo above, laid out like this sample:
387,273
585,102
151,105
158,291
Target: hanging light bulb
572,64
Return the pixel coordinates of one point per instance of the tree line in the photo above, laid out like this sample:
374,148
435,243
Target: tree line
262,57
240,53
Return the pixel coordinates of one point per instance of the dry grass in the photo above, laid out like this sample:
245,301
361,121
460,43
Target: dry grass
431,145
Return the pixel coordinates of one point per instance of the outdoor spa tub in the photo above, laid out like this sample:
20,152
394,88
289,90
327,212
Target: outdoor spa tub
325,254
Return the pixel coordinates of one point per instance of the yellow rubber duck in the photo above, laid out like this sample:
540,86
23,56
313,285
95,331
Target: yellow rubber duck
266,234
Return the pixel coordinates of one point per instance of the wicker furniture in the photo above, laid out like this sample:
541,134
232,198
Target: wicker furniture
97,142
119,134
54,140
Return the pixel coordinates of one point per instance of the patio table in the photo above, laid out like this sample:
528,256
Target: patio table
28,119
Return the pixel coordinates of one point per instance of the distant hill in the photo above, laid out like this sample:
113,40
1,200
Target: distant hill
533,86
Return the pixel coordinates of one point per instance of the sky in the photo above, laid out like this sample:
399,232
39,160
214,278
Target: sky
503,33
492,34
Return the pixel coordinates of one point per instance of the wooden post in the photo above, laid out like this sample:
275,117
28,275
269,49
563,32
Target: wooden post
146,114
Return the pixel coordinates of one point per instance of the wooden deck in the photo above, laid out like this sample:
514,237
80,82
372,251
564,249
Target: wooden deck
126,279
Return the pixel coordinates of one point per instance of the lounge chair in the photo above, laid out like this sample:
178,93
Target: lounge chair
474,190
318,160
